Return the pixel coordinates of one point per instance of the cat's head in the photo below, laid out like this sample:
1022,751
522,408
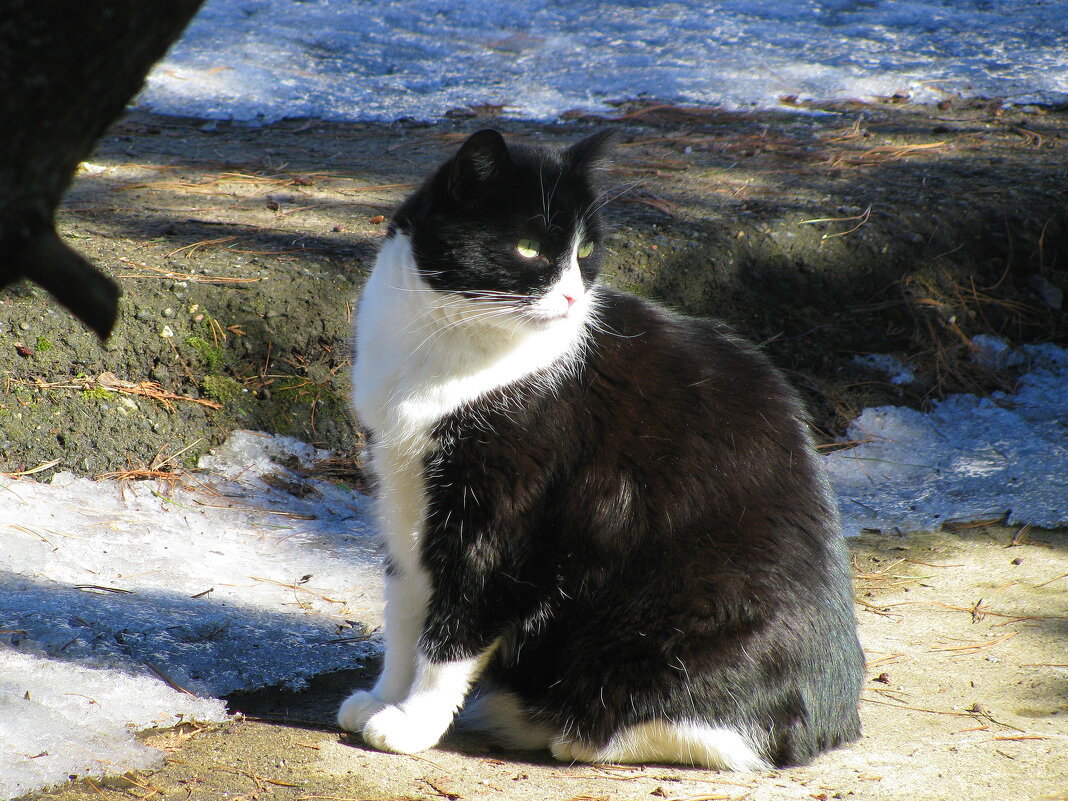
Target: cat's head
509,228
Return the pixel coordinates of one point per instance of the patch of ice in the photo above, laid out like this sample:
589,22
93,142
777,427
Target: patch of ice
264,60
994,353
896,370
968,458
257,575
59,719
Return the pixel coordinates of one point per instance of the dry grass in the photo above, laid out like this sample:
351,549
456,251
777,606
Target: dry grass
109,382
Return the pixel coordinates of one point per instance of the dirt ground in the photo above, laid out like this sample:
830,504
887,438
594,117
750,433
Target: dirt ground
885,228
966,700
873,229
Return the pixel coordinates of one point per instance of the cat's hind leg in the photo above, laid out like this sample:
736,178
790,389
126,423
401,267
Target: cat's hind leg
503,718
692,743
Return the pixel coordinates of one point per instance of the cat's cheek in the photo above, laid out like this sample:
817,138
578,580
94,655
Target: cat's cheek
400,732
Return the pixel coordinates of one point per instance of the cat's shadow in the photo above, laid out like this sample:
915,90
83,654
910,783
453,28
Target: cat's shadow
314,708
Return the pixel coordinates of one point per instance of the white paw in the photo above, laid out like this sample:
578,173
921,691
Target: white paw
358,709
393,729
573,751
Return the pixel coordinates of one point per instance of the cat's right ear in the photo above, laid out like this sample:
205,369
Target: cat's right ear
480,160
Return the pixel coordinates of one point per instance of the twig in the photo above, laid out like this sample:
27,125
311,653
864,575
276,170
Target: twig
1058,578
863,217
197,245
39,469
297,587
921,709
180,276
976,646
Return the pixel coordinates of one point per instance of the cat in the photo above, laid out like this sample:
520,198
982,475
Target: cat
605,522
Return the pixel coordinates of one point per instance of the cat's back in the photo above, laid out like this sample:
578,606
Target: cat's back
682,371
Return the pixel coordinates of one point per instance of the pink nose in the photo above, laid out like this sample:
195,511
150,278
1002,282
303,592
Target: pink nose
570,301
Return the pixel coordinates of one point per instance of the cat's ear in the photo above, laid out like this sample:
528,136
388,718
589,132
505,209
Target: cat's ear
588,153
480,160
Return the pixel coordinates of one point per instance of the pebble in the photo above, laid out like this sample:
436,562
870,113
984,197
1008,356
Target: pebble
168,312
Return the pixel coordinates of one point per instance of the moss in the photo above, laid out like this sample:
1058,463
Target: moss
43,345
96,394
211,356
221,388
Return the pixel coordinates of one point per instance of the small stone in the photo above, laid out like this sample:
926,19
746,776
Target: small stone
168,312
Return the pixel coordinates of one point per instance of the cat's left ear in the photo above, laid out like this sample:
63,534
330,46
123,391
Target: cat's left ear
481,158
589,153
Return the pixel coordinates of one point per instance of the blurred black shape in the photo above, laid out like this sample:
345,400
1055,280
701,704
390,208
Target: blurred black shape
67,70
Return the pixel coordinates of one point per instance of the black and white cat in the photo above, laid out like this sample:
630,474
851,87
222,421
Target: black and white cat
605,519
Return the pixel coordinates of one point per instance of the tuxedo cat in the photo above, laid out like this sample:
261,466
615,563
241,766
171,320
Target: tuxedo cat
604,521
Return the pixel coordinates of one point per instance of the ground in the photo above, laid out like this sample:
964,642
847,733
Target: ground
878,228
965,700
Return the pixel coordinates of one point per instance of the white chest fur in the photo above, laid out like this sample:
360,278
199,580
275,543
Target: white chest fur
421,353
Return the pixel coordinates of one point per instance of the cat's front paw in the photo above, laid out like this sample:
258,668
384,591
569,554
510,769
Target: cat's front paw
358,708
393,729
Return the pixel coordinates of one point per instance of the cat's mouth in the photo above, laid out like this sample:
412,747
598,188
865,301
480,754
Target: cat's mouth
508,309
549,310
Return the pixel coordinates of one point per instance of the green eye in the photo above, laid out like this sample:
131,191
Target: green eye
585,249
528,248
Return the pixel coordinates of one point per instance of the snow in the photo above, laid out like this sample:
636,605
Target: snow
229,582
969,458
59,718
896,370
262,60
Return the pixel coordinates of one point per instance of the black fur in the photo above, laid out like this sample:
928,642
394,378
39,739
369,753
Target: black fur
650,532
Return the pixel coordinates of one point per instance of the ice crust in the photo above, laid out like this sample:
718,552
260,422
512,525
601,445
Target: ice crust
262,60
59,718
969,458
231,583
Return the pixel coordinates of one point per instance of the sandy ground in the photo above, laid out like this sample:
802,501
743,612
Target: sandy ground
966,700
885,229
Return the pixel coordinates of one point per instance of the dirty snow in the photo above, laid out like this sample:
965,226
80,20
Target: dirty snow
113,594
969,458
264,60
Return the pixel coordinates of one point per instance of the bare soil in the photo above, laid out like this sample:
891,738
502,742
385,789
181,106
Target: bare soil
966,700
886,229
868,229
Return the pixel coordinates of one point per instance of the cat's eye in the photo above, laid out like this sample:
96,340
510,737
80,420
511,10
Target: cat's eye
527,248
585,249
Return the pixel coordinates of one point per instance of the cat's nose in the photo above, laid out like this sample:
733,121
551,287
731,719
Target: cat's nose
570,300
